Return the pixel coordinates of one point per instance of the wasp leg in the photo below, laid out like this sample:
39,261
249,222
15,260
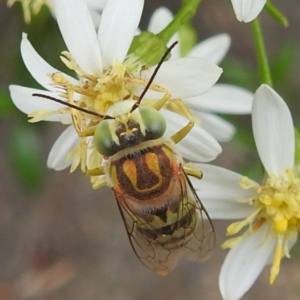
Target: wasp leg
97,182
179,135
87,132
95,172
161,102
81,130
192,171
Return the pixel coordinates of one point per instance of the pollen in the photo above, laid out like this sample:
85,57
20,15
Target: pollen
95,92
276,204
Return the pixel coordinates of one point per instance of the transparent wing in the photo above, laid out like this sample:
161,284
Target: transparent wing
199,247
190,232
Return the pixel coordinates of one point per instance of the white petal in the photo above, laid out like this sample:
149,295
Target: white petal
119,21
96,4
160,18
213,49
66,142
38,68
185,77
219,128
25,102
77,28
244,263
223,210
223,98
220,192
247,10
96,17
273,131
197,145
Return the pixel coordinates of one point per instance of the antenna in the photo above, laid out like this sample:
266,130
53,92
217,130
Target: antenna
72,105
153,76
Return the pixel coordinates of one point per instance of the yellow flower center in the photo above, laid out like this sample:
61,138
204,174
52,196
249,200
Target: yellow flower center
96,93
277,204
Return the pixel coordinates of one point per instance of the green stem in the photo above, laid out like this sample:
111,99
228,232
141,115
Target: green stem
186,12
276,14
263,64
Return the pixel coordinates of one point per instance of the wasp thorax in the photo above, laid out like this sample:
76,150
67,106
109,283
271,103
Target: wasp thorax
128,130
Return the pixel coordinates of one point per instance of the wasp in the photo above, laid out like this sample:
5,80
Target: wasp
163,215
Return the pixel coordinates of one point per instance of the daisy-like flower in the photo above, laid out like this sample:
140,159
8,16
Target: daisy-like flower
221,98
33,7
247,10
270,210
106,75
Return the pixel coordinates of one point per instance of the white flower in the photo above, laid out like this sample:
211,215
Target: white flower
33,7
221,98
106,76
247,10
270,211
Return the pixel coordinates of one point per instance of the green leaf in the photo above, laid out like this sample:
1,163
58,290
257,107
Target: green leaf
282,65
6,104
148,48
276,14
297,147
25,153
187,38
239,74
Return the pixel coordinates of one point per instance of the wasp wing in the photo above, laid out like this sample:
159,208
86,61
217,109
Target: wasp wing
200,245
190,233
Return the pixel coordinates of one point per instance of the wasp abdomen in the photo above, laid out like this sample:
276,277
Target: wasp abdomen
145,175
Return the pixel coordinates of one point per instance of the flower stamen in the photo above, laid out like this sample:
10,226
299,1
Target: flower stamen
276,204
276,259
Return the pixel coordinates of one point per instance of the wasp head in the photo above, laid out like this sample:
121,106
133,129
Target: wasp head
128,129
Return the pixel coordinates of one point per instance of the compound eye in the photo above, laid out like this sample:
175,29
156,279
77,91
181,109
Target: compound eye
103,140
154,122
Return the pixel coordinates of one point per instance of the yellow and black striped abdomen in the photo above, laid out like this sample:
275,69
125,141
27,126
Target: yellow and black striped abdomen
160,209
143,175
151,185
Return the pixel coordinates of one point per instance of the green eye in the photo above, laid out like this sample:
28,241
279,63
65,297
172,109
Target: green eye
154,122
103,140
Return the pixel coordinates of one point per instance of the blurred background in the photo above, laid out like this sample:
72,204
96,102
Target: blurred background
59,238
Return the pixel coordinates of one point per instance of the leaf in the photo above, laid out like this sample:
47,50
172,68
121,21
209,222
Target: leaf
25,153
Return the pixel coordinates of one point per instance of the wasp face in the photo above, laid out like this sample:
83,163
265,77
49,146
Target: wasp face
128,129
129,134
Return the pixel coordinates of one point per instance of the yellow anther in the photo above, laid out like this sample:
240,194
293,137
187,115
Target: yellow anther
58,78
247,183
294,221
237,226
40,115
118,70
230,243
278,206
280,225
265,200
276,260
